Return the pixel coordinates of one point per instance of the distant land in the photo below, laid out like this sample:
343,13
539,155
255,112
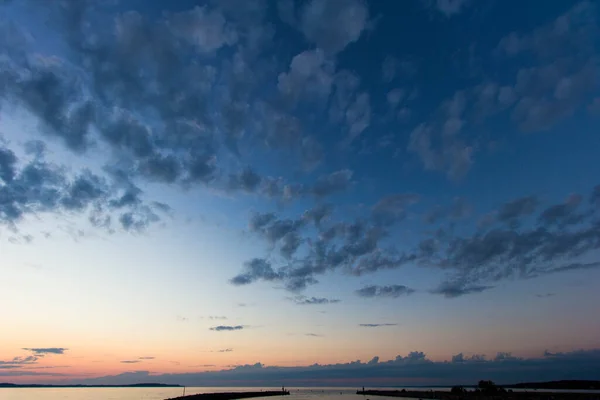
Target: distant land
136,385
567,385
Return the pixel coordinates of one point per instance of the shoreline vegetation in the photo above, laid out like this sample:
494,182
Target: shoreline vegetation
232,395
489,390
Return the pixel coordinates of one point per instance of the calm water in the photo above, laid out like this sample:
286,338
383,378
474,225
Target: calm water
164,393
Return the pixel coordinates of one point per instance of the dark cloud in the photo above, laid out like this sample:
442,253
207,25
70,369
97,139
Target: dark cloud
335,182
42,187
47,350
303,300
18,362
563,214
393,207
457,289
393,291
130,361
459,209
375,325
318,213
256,269
400,371
247,180
513,210
544,295
515,243
222,328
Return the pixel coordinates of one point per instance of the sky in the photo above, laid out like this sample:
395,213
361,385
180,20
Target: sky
308,192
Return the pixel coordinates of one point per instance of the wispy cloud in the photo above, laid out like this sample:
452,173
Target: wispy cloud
47,350
545,295
303,300
130,361
376,325
313,334
221,328
393,291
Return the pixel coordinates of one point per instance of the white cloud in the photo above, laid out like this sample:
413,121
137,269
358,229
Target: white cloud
450,7
358,115
334,24
310,73
395,97
206,29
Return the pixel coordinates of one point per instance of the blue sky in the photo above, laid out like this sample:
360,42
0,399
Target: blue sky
223,183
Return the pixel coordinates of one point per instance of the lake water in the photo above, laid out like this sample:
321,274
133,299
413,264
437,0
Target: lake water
165,393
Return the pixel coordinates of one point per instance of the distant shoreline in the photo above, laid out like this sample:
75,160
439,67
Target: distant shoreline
36,386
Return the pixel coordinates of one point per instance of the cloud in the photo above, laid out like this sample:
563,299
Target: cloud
521,239
562,79
221,328
47,350
256,269
39,186
392,208
334,24
313,335
544,295
303,300
375,325
225,351
130,361
393,291
335,182
205,29
405,370
310,74
18,362
215,317
393,68
451,7
515,209
459,209
456,289
146,358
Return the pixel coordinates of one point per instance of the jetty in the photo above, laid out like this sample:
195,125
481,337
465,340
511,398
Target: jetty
232,395
475,395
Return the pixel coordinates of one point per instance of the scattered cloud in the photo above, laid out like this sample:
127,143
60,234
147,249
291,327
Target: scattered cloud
229,350
376,325
333,24
402,370
303,300
457,289
451,7
130,361
47,350
393,291
313,335
544,295
221,328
